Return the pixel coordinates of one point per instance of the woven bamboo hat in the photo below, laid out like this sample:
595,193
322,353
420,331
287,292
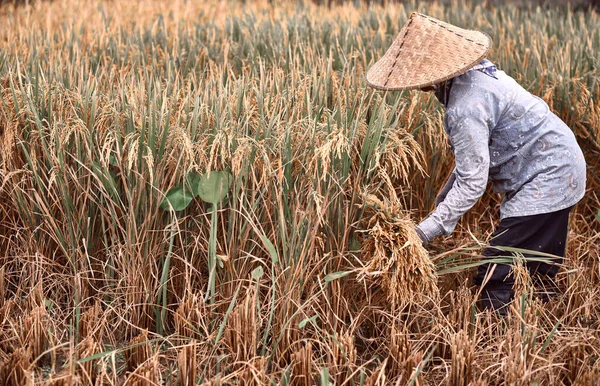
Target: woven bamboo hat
427,51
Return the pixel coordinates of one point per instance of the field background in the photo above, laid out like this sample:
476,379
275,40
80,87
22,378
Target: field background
306,271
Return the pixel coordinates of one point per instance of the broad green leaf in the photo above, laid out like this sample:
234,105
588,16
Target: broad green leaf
213,186
258,272
177,197
303,323
336,275
193,183
324,376
270,248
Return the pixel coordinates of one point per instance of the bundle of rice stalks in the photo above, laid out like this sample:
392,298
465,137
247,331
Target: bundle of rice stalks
15,369
187,363
86,371
463,351
190,317
91,324
139,351
343,357
302,366
149,373
404,357
34,332
394,256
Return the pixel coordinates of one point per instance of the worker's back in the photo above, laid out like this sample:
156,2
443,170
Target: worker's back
534,157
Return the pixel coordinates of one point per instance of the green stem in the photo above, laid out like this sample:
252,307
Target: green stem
164,278
212,255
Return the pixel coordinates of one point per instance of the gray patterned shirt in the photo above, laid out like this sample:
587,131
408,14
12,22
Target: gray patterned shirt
501,133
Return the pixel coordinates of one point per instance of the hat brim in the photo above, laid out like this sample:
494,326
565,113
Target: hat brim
427,52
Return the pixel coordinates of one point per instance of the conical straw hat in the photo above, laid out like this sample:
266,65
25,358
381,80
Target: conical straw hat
427,51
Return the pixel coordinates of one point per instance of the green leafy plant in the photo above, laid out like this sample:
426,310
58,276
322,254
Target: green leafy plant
212,188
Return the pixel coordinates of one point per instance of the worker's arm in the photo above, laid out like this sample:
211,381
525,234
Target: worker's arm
446,188
469,135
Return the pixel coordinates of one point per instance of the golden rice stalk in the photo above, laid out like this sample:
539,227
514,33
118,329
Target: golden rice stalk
2,286
35,298
404,358
148,373
132,147
335,146
212,382
253,373
579,353
530,309
462,352
187,363
138,352
35,331
343,356
220,150
65,378
184,150
87,371
394,256
241,155
516,361
241,335
401,154
479,382
15,369
459,312
378,377
90,323
302,366
588,377
9,339
520,274
190,316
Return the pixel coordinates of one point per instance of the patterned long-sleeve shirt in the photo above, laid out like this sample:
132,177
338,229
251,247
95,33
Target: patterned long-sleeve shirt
502,134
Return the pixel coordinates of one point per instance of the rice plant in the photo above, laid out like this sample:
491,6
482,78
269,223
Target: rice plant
206,192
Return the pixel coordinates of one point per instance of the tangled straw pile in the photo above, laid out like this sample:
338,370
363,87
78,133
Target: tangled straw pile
394,256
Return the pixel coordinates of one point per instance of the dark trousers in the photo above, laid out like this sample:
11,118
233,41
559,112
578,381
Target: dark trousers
541,232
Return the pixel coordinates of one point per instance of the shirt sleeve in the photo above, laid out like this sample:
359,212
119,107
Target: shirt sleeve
469,132
446,188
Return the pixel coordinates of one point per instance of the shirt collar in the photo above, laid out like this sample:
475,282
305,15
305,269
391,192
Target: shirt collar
486,67
442,90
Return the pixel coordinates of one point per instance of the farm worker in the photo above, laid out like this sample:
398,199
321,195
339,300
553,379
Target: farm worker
499,133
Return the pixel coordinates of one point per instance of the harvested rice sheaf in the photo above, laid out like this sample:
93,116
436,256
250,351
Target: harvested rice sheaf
394,256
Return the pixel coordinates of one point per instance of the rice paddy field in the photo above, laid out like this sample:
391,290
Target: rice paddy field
207,192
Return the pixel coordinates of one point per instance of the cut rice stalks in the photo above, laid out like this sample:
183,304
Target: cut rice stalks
394,256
